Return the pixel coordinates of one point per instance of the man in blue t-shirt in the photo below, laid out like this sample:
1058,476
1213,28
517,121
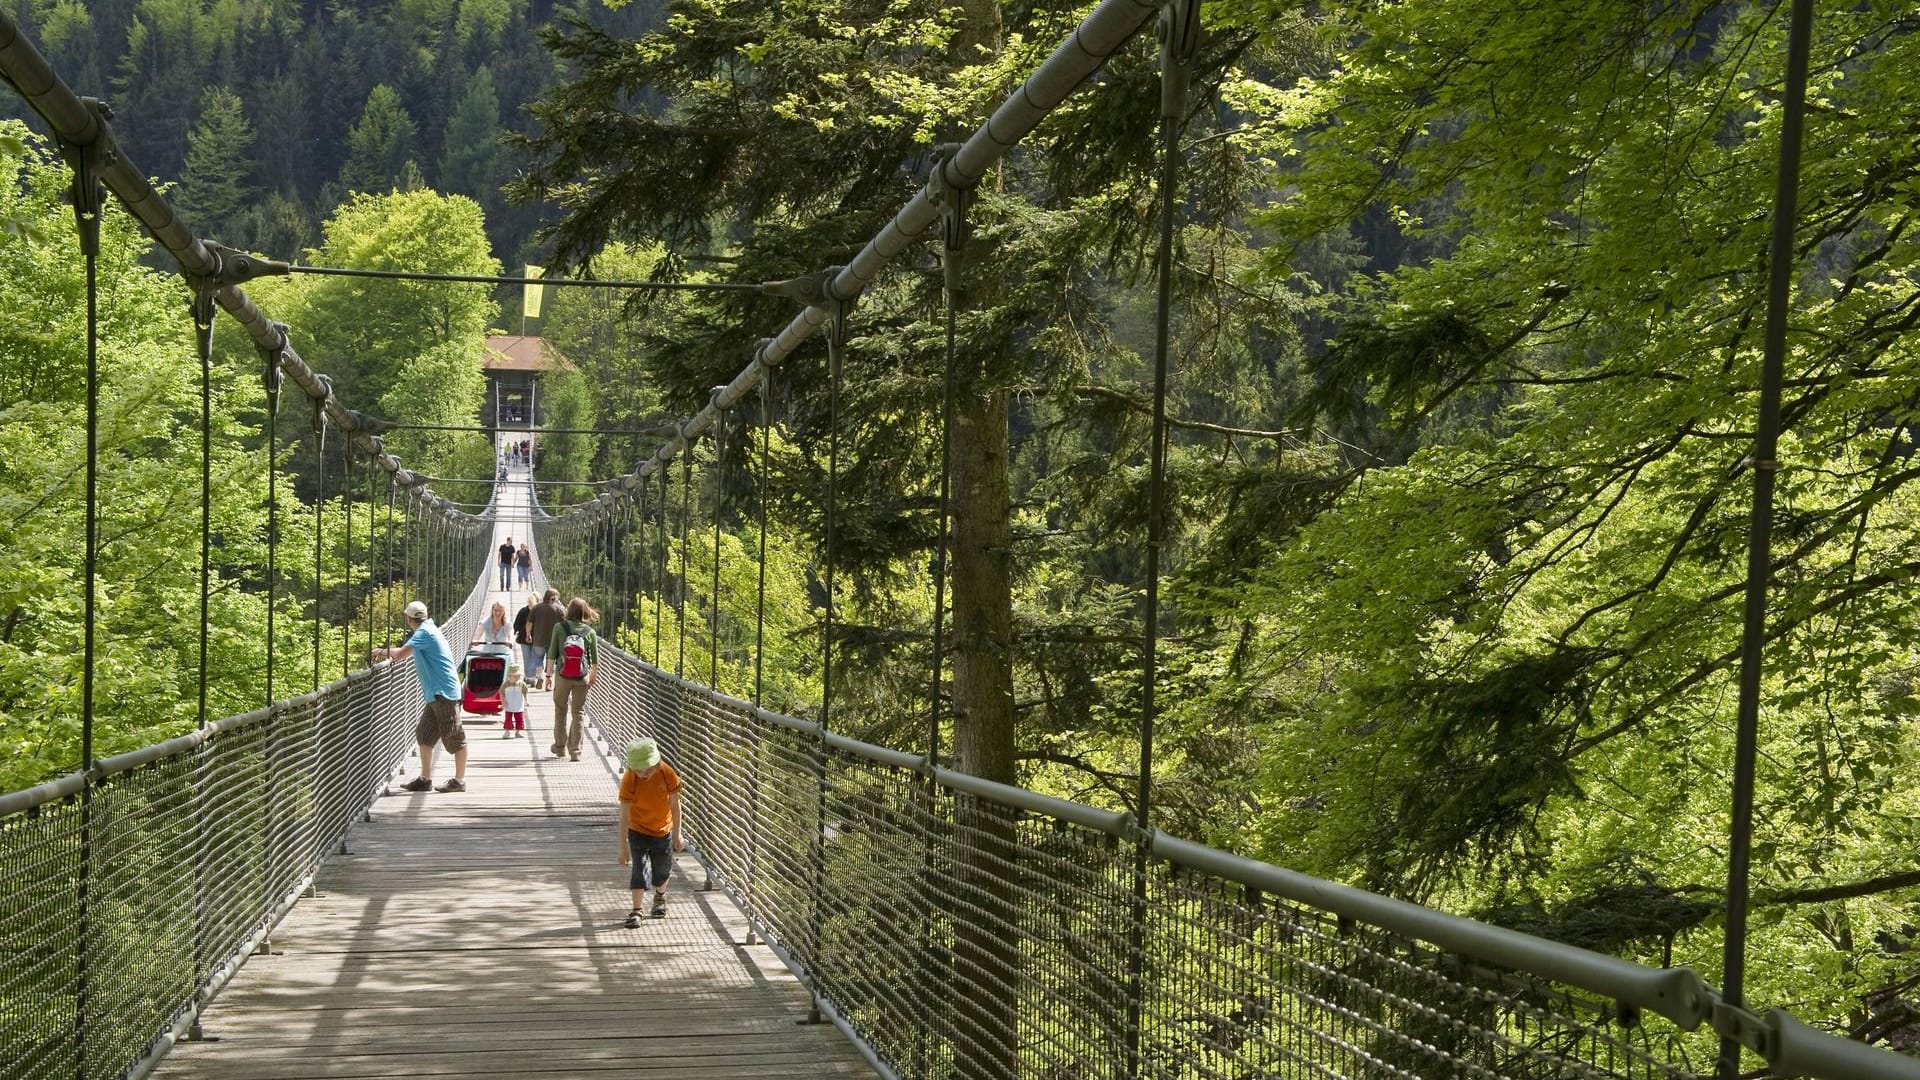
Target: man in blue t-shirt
440,689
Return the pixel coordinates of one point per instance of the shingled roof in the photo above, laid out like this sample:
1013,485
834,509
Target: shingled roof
519,352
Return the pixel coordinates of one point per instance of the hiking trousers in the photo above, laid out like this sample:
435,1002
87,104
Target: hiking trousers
569,715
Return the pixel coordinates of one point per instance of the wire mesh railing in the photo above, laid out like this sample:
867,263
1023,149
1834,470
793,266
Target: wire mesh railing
130,892
960,928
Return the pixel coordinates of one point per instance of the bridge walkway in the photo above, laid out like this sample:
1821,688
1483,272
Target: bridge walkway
481,933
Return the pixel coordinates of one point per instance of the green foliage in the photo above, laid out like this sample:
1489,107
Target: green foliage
146,685
380,146
365,331
567,402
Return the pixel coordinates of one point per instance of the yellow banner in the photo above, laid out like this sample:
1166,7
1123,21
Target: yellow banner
535,294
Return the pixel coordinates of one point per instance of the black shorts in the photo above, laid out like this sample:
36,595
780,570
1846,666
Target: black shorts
652,860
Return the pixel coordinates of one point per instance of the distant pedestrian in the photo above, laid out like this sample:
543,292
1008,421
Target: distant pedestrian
507,552
649,826
547,614
440,689
573,652
513,705
524,563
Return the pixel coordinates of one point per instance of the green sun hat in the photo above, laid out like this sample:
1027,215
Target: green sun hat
642,754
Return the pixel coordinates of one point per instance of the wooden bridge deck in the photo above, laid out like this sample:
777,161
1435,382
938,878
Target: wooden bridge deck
481,934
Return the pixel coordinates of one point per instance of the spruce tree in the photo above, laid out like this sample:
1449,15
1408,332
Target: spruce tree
380,145
472,162
215,190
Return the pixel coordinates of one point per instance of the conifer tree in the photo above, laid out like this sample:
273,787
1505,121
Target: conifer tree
472,161
215,190
380,145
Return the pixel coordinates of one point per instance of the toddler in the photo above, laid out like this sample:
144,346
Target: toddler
513,704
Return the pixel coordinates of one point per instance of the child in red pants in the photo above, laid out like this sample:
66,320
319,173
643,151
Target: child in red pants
513,705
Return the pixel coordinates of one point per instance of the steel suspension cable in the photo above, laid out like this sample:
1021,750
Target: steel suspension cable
346,570
954,235
87,210
387,625
713,598
373,547
953,248
202,309
271,377
319,515
660,581
760,587
1179,36
680,594
1765,463
504,279
618,610
636,569
836,338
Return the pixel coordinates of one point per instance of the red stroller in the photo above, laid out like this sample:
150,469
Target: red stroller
483,671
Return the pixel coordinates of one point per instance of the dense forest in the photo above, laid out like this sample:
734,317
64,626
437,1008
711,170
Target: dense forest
264,115
1467,303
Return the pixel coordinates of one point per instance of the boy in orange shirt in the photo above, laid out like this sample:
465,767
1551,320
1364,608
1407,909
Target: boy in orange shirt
649,825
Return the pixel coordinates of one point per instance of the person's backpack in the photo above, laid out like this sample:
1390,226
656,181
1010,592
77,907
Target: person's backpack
573,653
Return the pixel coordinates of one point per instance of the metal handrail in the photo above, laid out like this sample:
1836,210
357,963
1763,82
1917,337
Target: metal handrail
274,792
630,697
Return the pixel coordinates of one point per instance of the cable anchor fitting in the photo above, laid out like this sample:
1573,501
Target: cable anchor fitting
270,374
89,162
235,267
1178,31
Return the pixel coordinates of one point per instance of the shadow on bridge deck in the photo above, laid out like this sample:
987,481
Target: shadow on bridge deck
481,934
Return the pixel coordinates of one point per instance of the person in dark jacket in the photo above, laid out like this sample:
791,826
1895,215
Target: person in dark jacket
547,614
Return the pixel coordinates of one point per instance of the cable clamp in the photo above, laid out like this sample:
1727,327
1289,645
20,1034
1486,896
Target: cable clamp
1178,31
89,162
320,404
270,374
952,197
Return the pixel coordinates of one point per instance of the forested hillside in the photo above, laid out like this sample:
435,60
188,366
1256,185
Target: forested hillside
267,114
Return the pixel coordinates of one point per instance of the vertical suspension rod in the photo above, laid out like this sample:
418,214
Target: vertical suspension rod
713,597
1179,33
680,593
85,161
1765,463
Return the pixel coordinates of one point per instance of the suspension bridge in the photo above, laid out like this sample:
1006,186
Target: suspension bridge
256,898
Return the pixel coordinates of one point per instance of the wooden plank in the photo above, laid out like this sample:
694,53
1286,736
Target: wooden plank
480,934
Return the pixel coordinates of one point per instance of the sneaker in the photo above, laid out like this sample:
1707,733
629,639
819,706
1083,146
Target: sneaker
418,783
633,919
455,784
557,752
659,905
506,733
573,757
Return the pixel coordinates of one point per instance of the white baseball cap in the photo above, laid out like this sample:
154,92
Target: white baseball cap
416,611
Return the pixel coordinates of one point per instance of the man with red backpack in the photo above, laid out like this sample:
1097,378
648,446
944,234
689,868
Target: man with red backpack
573,651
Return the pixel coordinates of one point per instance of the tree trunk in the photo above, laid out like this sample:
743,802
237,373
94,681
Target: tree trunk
986,978
982,588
